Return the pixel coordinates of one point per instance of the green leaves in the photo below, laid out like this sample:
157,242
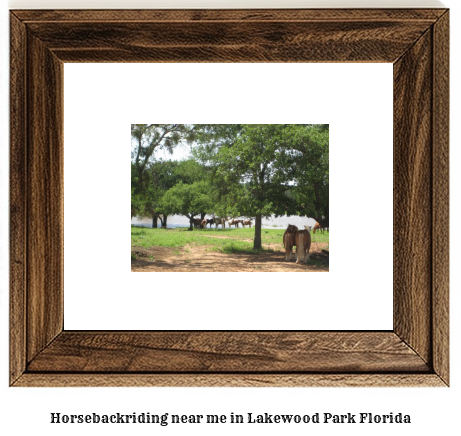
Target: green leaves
256,167
188,199
146,138
237,169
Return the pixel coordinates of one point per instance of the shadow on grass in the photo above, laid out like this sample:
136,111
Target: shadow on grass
235,249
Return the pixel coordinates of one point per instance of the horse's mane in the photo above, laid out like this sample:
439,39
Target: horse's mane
291,228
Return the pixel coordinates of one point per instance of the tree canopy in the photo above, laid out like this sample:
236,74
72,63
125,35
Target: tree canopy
268,169
251,170
189,200
147,138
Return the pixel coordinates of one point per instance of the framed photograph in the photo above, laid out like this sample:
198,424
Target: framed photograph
415,352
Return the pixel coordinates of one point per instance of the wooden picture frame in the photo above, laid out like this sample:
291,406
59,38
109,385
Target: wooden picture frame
414,353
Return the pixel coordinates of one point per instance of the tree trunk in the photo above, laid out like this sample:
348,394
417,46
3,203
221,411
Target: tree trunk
154,221
327,216
323,215
257,241
191,221
164,220
324,219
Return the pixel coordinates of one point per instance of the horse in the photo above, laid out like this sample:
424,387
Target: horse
198,223
221,221
247,222
233,222
317,227
289,240
308,228
209,221
303,245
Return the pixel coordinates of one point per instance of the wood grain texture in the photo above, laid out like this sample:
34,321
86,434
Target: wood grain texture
440,211
251,41
18,213
204,15
413,196
45,231
414,354
230,380
236,352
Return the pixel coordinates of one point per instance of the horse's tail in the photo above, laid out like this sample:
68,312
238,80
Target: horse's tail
299,247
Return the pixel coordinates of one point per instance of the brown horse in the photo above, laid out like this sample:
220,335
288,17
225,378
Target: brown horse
221,221
303,245
289,240
234,222
208,221
317,227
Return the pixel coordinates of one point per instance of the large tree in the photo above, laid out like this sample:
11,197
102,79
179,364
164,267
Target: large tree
310,143
160,176
250,171
147,138
147,179
265,169
189,200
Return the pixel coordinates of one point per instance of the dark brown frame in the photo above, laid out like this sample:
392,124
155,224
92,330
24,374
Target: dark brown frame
414,353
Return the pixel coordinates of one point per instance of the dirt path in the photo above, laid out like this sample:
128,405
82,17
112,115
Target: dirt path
199,259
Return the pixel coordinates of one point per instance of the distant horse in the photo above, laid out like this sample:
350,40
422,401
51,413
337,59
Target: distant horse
208,221
289,240
247,223
234,222
221,221
303,245
317,227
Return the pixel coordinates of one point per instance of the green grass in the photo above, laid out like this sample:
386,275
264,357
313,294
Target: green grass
180,237
235,241
321,237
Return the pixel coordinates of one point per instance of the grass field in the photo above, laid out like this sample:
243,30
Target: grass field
227,241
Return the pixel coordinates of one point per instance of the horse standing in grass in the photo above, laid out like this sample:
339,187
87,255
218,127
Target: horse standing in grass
234,222
289,240
221,221
247,223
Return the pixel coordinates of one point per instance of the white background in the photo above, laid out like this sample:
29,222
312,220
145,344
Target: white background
433,411
355,99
